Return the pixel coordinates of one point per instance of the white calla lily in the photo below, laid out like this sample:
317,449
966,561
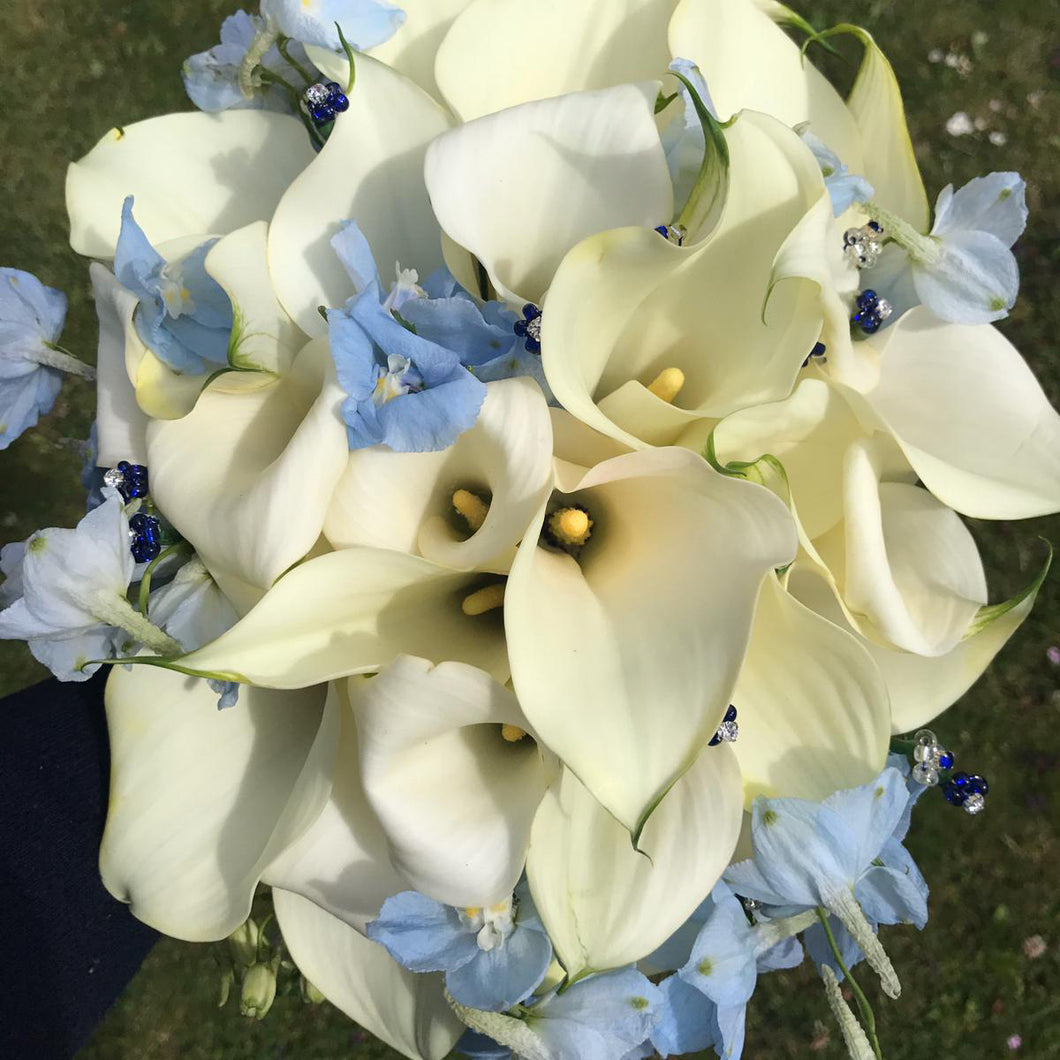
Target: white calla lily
369,171
624,659
814,713
519,188
201,801
627,305
969,415
352,612
190,173
750,63
452,775
247,477
605,904
407,1011
405,500
548,49
341,862
921,687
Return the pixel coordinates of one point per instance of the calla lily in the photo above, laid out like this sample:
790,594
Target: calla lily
405,500
624,658
359,977
247,476
519,188
969,415
604,903
750,63
626,305
201,801
190,173
551,50
453,776
370,171
312,627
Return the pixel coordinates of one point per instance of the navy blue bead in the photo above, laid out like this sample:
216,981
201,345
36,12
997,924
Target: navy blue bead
663,231
977,785
730,714
322,115
135,483
868,296
714,740
955,795
340,103
946,760
875,226
147,537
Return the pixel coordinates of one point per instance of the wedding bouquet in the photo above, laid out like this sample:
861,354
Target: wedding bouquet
533,619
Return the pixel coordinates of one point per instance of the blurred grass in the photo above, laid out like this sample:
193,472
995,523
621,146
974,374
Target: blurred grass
71,71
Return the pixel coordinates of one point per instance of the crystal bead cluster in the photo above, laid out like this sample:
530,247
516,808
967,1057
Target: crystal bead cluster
862,246
145,532
872,312
130,480
966,790
728,730
529,328
673,233
323,101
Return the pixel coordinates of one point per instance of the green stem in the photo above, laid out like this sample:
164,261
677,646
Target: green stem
859,996
349,50
145,581
282,45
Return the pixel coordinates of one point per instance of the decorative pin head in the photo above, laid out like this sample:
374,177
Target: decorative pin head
728,730
529,328
872,311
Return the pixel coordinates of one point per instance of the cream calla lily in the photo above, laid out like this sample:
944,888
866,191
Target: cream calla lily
452,776
969,415
548,49
369,171
340,862
519,188
605,904
190,173
405,500
201,801
626,305
247,477
359,977
624,659
352,612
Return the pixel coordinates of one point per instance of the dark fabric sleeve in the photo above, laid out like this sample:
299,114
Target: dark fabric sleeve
67,949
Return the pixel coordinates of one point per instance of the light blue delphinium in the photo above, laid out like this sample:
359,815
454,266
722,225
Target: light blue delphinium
705,1003
71,606
211,78
31,365
184,315
810,855
603,1017
365,23
493,957
844,188
963,270
403,390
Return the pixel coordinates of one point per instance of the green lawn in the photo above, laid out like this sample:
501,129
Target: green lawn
74,70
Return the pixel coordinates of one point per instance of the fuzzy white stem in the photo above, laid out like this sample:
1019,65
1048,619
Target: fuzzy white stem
854,1036
843,904
264,40
921,248
54,358
116,611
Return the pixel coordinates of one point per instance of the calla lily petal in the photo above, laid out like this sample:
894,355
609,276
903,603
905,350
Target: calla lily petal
455,795
626,304
519,188
340,862
404,500
370,171
549,49
247,477
352,612
201,801
190,173
359,977
624,660
748,62
605,904
970,416
814,712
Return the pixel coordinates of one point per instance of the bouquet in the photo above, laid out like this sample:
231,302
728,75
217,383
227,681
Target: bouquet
525,511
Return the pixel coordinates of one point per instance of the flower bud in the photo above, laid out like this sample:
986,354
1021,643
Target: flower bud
243,943
259,991
310,994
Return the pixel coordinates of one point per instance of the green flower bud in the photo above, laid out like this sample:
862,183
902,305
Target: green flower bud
228,977
259,991
310,994
243,943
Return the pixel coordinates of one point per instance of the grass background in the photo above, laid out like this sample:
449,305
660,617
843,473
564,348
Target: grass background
72,70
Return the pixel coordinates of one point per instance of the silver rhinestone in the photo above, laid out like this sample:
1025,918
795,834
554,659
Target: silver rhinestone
975,803
533,329
728,731
852,236
926,773
884,308
113,478
852,252
317,95
676,234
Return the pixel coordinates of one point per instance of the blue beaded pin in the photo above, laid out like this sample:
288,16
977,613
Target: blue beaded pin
872,312
529,328
130,480
966,790
673,233
728,730
322,102
145,532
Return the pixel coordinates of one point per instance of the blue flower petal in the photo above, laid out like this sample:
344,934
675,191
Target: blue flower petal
509,973
422,934
686,1021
